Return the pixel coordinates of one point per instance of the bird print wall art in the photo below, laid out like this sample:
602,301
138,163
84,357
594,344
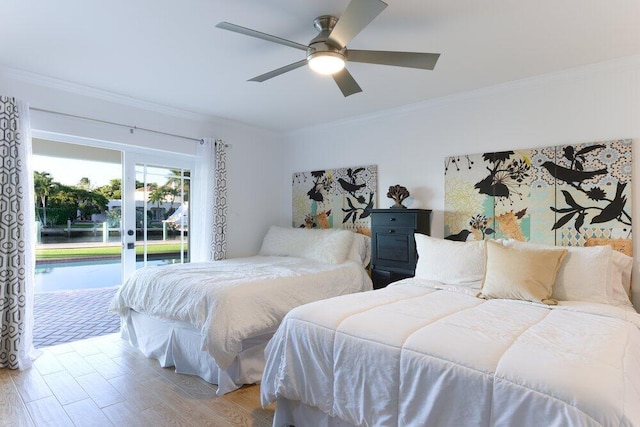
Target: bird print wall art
335,198
563,195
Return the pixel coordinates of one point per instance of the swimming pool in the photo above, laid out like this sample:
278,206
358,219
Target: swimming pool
66,276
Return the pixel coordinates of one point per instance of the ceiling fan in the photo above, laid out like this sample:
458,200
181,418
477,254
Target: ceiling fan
327,52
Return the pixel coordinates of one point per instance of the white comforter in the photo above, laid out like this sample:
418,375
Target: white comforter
235,299
413,355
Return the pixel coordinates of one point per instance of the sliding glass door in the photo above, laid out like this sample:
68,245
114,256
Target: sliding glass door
103,209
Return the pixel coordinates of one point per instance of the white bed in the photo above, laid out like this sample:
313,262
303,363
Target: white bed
424,353
214,319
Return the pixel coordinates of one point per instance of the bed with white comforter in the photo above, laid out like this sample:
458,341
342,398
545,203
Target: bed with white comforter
414,354
426,352
214,319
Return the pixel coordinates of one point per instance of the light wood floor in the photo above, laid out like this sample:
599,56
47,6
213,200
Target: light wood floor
104,381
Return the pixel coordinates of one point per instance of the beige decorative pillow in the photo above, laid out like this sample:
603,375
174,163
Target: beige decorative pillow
585,274
521,273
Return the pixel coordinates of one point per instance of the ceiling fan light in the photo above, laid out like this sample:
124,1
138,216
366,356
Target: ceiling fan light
326,62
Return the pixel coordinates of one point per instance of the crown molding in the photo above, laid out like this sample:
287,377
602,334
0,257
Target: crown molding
580,72
75,88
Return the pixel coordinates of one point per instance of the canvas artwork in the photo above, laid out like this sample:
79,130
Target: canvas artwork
335,198
570,195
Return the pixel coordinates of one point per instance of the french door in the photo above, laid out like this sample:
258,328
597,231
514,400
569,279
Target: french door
155,216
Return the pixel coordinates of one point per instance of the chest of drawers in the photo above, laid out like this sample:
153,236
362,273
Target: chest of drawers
393,247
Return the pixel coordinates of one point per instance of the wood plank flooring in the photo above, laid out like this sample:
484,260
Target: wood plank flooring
104,381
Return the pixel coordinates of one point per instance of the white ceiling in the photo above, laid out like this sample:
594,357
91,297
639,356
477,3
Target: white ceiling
170,53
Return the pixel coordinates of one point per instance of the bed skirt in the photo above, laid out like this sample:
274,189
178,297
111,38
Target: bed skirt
295,413
177,344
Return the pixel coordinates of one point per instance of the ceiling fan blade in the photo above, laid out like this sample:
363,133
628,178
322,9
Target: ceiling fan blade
281,70
346,82
257,34
359,14
425,61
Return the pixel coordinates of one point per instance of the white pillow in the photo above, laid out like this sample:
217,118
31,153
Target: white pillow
325,245
450,262
360,251
585,274
621,278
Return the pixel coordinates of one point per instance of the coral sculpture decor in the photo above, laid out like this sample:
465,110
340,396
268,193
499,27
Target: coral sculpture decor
398,193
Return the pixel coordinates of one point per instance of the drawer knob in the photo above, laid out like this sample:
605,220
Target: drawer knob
392,231
392,219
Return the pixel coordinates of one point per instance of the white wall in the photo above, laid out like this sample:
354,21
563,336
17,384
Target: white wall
253,155
598,102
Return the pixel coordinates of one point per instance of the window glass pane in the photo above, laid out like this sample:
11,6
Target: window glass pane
162,214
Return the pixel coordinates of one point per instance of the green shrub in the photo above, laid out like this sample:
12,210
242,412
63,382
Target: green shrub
55,216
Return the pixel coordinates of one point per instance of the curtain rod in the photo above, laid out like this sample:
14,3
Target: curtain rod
131,128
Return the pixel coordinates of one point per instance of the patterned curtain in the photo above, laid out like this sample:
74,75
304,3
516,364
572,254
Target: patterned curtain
209,202
17,232
219,243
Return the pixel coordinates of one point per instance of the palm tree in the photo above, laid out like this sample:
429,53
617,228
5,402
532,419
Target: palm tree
43,185
177,178
157,196
172,193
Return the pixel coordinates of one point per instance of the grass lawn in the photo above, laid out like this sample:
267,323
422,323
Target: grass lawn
102,251
73,226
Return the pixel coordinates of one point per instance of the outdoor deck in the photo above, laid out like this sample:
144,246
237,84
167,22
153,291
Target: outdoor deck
66,316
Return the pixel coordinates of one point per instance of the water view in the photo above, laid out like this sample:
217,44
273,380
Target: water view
113,238
66,276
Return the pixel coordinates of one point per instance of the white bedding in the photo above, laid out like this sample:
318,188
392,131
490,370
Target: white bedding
233,300
414,354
